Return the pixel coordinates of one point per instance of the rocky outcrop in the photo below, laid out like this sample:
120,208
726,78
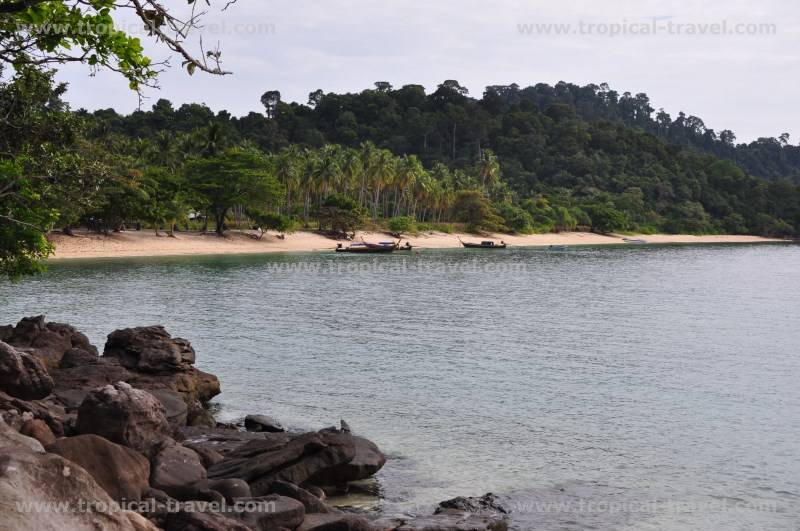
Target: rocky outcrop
262,423
137,428
156,360
124,415
48,341
123,473
27,476
175,469
22,375
488,504
297,460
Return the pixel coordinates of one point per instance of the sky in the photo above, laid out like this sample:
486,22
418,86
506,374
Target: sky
734,63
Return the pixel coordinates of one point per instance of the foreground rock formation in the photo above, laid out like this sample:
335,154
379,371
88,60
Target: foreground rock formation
124,441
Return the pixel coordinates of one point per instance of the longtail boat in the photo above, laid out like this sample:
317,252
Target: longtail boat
486,244
365,247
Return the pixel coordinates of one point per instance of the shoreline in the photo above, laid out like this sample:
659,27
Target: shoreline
146,244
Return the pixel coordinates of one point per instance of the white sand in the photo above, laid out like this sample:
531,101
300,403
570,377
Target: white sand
145,243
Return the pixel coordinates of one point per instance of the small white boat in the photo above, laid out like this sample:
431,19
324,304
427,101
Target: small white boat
633,240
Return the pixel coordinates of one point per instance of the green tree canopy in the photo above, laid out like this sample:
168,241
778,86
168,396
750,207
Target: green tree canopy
236,177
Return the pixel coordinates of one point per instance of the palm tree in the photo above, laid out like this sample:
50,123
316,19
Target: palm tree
488,168
287,170
382,174
352,169
367,156
409,169
308,183
329,172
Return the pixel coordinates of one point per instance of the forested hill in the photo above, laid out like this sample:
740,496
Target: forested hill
565,147
449,126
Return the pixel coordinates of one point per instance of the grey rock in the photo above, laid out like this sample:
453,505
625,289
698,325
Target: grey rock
22,375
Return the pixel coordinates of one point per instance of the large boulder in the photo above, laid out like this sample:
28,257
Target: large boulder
175,470
149,349
22,375
123,473
124,415
27,477
48,341
263,462
271,513
368,460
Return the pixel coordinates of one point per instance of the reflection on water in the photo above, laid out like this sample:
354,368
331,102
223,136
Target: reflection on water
657,383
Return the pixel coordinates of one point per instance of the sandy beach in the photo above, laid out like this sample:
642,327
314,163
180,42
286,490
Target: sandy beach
146,243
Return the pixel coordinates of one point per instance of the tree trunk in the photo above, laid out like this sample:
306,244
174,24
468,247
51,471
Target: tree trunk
221,213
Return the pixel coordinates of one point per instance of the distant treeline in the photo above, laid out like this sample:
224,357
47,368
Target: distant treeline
558,150
532,160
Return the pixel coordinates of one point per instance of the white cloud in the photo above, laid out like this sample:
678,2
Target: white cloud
745,83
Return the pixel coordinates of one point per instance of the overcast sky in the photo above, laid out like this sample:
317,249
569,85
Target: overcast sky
747,82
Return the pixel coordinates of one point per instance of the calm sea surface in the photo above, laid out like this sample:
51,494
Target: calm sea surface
601,388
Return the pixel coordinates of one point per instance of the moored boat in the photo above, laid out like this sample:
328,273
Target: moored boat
486,244
633,240
365,247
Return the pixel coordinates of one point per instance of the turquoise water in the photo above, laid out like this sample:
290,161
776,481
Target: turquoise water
602,388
